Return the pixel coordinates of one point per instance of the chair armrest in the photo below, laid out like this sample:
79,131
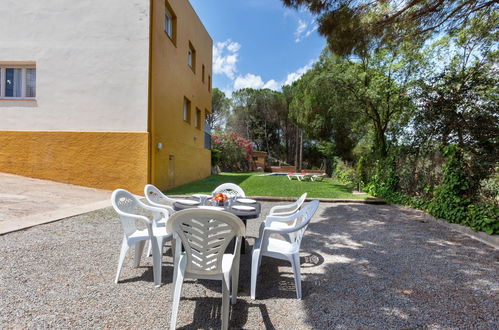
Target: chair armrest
285,218
281,207
156,210
162,206
268,231
135,216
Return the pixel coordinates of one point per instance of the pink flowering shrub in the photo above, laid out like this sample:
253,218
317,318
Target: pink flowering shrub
234,150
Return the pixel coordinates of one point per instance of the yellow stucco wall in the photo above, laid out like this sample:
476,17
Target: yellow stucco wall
183,157
106,160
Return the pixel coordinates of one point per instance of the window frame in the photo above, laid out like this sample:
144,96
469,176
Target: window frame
24,69
173,18
186,110
191,57
197,119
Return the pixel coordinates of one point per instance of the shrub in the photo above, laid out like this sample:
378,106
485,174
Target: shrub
450,199
215,157
345,174
234,150
484,216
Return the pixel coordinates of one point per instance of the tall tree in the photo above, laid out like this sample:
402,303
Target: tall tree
349,25
220,106
459,105
257,116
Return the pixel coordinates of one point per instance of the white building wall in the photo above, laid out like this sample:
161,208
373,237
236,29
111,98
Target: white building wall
92,59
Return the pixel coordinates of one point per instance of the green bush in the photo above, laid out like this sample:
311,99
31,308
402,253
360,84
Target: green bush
484,217
215,157
450,200
345,174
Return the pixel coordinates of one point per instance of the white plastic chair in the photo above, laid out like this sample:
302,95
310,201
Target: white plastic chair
288,249
306,177
288,209
132,211
205,235
155,197
318,177
275,217
230,189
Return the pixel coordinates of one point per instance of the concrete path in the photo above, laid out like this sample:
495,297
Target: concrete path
26,202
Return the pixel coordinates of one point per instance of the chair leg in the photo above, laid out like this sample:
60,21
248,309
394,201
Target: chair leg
149,249
295,262
235,281
124,249
139,248
177,244
255,264
177,290
225,301
156,260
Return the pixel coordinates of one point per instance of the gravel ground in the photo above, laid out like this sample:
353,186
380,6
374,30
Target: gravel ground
363,266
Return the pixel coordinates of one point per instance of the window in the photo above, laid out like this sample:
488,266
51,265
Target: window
191,57
17,81
187,110
197,123
207,130
30,82
209,83
202,74
170,22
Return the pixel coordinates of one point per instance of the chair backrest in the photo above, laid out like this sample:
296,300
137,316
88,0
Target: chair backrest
205,235
297,204
127,207
289,208
155,196
230,189
303,218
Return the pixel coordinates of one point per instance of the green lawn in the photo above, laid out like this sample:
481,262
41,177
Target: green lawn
255,185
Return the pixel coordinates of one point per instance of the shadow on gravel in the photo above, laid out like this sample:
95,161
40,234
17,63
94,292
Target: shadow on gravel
207,313
384,268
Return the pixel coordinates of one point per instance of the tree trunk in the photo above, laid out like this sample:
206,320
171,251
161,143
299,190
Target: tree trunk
301,151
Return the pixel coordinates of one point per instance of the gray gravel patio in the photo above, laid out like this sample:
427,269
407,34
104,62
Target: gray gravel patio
363,266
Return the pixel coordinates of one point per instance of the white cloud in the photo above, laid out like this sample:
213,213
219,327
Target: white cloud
304,29
254,81
225,57
248,81
272,84
251,80
294,76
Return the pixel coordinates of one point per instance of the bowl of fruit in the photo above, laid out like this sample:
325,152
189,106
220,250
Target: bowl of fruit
220,198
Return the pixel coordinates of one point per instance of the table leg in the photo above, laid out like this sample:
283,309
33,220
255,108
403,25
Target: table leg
243,242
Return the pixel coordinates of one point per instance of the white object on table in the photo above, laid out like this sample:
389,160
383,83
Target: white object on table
187,202
243,207
209,207
246,200
200,195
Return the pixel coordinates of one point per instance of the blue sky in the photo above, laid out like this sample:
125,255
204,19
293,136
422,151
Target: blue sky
258,43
